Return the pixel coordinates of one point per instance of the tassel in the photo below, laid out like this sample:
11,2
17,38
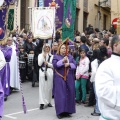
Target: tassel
24,106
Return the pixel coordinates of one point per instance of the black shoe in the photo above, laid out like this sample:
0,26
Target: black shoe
33,84
83,102
49,105
41,106
5,98
59,116
95,114
67,115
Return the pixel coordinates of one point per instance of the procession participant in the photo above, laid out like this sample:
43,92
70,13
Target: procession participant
5,80
2,65
14,70
107,83
45,76
64,90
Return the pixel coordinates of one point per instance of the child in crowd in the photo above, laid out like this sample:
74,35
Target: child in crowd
82,76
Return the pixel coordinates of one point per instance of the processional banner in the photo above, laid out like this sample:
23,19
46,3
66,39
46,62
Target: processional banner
4,8
69,19
43,22
59,12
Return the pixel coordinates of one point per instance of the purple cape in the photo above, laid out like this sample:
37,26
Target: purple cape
1,97
5,72
64,91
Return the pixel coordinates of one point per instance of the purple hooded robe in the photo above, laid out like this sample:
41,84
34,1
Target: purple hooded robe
64,91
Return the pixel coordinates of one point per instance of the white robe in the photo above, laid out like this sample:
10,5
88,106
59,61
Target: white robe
14,70
107,83
45,87
2,60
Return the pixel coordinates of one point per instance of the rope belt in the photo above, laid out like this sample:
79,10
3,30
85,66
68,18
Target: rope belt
61,75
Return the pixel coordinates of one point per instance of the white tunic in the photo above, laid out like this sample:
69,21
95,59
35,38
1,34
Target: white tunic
45,87
107,82
2,60
14,71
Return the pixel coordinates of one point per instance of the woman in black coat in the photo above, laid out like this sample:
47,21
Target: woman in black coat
37,51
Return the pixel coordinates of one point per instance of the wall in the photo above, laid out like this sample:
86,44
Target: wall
80,16
93,15
115,9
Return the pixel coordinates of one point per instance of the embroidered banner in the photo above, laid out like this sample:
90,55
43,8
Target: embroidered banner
69,19
11,19
4,7
59,12
43,22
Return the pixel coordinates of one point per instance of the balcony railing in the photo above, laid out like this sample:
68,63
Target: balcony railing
106,4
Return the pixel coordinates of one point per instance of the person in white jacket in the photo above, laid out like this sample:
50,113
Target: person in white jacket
82,75
94,67
99,55
45,77
107,82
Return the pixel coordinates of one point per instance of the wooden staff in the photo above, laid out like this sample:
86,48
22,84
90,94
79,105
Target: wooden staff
66,54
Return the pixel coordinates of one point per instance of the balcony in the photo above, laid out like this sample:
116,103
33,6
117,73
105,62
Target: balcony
106,4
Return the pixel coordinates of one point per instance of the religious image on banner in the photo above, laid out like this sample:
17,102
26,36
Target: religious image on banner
69,19
43,23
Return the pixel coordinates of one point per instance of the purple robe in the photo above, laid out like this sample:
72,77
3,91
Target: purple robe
1,97
64,91
5,77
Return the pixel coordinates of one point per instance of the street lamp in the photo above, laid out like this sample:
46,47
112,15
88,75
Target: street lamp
99,13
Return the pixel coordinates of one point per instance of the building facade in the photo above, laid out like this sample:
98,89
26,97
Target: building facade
94,12
115,9
98,13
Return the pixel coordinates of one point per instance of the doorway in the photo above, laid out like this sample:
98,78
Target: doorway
104,21
85,17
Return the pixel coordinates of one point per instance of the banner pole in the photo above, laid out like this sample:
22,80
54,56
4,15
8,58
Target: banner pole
66,54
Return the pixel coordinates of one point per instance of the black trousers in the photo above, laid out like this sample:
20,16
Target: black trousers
30,73
91,100
23,74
